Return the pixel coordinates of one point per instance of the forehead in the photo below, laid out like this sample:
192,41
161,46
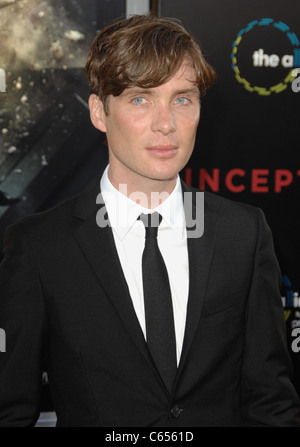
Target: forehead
185,74
185,78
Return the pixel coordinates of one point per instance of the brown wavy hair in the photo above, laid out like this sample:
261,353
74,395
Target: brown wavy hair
144,51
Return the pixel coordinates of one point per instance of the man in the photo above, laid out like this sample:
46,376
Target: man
141,320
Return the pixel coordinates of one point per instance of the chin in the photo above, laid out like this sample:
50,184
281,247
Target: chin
163,174
167,173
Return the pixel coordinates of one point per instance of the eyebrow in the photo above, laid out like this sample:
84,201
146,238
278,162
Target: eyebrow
193,90
140,91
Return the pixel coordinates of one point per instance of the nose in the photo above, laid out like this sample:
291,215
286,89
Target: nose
163,119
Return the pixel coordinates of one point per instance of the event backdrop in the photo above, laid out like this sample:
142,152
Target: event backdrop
48,148
247,145
248,141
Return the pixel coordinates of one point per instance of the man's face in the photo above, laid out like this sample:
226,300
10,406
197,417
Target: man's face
151,132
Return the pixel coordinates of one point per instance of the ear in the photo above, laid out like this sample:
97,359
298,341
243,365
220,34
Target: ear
97,113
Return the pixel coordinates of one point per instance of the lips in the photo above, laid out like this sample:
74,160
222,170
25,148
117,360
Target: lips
163,151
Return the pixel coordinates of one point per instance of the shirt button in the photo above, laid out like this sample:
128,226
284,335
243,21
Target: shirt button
176,411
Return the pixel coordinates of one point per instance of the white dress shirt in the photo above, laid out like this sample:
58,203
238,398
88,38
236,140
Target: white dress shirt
129,236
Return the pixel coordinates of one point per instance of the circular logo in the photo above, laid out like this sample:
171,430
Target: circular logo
257,70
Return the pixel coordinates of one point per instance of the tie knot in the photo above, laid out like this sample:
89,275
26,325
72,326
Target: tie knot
151,222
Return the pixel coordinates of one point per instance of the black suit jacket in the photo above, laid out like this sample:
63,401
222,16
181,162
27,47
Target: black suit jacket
64,300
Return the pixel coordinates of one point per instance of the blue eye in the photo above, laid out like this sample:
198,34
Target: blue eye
182,100
138,101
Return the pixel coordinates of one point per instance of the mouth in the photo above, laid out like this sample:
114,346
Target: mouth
163,151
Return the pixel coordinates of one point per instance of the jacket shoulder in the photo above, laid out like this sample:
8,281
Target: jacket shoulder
51,218
223,206
60,217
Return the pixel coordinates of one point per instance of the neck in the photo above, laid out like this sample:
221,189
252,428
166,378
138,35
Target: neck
147,192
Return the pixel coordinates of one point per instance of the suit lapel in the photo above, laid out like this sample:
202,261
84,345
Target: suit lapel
99,248
200,257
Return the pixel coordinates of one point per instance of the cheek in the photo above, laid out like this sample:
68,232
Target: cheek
125,137
195,119
189,120
188,128
130,125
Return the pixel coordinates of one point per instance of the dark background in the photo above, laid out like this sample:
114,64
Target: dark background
49,150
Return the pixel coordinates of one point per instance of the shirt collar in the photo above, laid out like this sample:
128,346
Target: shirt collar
124,212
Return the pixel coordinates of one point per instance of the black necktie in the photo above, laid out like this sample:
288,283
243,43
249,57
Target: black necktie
158,303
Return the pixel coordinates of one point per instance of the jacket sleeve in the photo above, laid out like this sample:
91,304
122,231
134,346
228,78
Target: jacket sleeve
23,319
268,395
